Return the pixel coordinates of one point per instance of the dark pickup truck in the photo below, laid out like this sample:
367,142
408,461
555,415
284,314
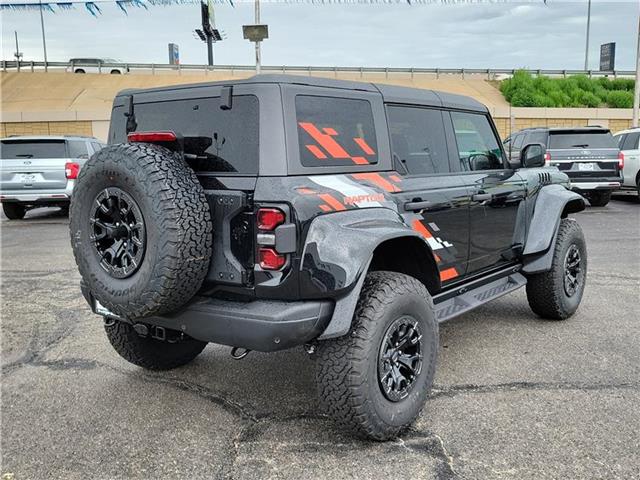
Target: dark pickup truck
348,218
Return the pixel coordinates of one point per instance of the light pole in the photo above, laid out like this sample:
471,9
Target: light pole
586,49
636,95
257,22
18,53
44,41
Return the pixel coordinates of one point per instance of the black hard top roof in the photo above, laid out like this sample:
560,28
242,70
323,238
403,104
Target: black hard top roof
586,129
390,93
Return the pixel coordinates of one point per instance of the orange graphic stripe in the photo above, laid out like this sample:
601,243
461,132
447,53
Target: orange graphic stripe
316,151
330,131
360,160
305,191
364,146
332,201
395,178
325,208
421,229
378,180
325,141
448,274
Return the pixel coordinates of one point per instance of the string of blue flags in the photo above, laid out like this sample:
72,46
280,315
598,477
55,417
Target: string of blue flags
94,6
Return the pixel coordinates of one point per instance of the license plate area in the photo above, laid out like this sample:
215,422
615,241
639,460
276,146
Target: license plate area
27,178
586,167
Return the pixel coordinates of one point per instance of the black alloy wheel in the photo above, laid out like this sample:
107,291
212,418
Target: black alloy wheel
117,232
572,270
400,358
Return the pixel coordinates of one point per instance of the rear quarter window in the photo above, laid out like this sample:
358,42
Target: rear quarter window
335,131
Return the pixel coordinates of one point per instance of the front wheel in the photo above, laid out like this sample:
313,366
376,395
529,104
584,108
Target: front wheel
173,350
14,211
375,379
556,294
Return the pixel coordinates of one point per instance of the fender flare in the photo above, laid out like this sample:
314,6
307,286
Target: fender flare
552,201
338,252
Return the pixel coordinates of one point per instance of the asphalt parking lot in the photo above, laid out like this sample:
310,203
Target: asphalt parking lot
515,396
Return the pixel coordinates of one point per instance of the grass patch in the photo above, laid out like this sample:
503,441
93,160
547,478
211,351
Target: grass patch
525,90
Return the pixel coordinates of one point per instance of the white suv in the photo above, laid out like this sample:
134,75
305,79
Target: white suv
628,144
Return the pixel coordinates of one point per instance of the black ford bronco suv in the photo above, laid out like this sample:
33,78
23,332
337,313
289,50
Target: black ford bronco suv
348,218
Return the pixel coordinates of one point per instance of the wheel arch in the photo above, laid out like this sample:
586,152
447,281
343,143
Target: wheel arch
356,242
553,203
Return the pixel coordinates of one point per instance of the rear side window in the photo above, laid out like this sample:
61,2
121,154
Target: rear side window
78,149
221,140
418,139
20,149
630,141
518,141
536,137
569,139
478,146
335,131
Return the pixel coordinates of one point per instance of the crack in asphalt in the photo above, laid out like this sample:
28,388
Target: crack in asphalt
454,390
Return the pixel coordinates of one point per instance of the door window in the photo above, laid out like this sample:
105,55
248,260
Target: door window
418,140
478,147
518,141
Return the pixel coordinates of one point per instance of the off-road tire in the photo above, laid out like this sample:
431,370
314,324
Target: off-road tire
546,291
149,353
599,199
347,367
14,211
177,224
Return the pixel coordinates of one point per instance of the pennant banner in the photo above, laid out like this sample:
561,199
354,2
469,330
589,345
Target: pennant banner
94,9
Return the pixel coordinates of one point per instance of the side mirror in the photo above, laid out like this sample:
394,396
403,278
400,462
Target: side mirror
484,161
532,155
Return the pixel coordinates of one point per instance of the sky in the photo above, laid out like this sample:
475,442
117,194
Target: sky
476,35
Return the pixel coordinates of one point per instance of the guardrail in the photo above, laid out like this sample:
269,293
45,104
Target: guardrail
153,68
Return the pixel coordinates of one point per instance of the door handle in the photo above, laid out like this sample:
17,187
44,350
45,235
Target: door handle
417,205
481,197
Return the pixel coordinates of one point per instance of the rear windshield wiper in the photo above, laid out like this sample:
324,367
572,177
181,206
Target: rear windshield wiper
25,155
582,145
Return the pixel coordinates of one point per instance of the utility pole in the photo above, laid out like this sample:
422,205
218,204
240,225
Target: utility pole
586,49
44,40
257,22
636,96
18,53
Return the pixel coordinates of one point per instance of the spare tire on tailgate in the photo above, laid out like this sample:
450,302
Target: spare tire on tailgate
140,229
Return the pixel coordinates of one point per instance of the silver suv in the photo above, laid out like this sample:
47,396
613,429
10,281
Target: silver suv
41,170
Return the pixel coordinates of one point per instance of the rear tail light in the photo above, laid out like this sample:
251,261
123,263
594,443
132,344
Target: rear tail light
149,137
270,218
71,170
547,159
620,160
270,259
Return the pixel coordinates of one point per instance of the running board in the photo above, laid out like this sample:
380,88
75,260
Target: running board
452,307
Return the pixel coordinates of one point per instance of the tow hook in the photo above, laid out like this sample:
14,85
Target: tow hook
238,353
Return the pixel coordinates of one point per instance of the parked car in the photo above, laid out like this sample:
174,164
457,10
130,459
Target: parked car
628,144
588,155
348,218
96,65
41,170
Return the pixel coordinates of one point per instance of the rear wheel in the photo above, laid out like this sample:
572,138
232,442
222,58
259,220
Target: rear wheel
173,350
80,70
375,379
556,294
599,198
14,211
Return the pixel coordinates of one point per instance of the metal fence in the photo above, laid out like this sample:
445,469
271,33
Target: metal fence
155,68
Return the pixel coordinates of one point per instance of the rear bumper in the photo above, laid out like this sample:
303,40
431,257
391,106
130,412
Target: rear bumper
595,184
37,197
262,325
